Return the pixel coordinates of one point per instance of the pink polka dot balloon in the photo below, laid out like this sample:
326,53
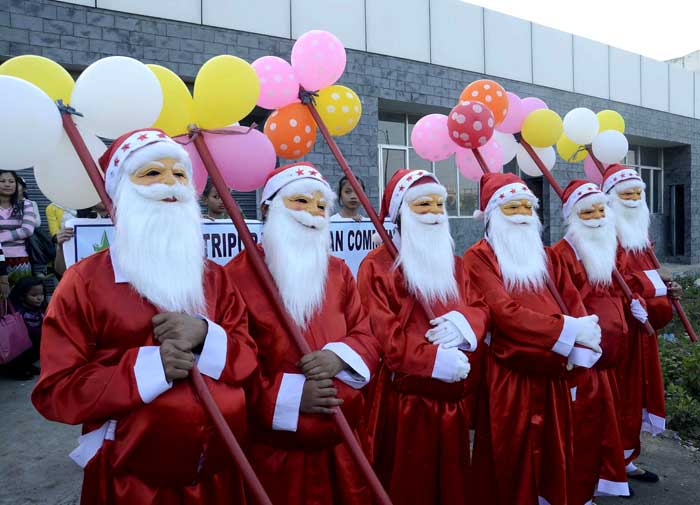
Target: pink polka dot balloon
278,84
470,124
318,59
430,138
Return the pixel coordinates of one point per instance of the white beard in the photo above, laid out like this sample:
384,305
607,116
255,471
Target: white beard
159,246
297,248
426,257
596,245
517,244
631,222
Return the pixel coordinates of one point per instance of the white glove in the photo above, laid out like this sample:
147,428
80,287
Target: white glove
444,333
638,311
451,365
588,332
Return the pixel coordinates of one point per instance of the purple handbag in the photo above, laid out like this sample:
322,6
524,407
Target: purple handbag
14,338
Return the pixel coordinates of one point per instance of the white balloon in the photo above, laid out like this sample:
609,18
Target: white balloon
63,179
528,165
117,95
31,124
581,125
610,146
508,144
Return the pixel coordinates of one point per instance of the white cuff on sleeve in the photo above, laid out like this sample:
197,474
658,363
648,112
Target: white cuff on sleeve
213,358
584,357
567,337
460,321
443,369
286,415
358,375
657,282
150,375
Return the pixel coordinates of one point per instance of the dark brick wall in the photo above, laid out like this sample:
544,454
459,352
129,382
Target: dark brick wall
76,36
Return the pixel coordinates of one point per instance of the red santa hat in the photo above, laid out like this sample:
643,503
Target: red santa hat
622,178
133,150
305,176
580,194
497,189
408,185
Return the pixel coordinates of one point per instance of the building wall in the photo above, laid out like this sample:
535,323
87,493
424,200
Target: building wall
76,35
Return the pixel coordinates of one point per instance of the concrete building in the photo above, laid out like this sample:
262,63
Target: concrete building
407,58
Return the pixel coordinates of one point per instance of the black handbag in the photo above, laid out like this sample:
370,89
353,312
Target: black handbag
40,248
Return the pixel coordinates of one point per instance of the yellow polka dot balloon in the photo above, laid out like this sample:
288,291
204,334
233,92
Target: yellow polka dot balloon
340,108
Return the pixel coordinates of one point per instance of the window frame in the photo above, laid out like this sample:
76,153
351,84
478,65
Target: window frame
651,190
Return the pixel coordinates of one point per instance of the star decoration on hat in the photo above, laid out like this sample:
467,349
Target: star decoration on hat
116,162
313,173
143,136
300,172
126,147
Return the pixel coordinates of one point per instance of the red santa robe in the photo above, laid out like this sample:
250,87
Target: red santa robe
145,440
300,458
523,450
598,461
639,376
418,428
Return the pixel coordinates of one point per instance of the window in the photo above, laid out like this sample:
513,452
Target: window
648,161
395,152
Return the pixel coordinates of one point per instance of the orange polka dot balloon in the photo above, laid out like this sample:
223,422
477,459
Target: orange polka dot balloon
292,131
491,94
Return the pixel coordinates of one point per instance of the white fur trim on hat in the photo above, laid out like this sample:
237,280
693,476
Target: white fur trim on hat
587,202
430,188
582,193
290,174
628,174
307,187
626,185
508,193
402,186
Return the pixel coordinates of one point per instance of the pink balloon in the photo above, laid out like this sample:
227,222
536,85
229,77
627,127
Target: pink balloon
431,139
591,170
515,117
469,166
531,103
199,173
318,59
278,84
245,159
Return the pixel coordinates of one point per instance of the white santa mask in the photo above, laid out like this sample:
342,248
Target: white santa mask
631,220
159,246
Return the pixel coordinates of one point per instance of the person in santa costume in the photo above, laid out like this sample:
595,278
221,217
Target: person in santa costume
588,251
639,376
125,327
523,450
296,449
421,409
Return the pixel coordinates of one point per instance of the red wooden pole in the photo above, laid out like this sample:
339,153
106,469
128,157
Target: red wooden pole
268,283
655,261
195,376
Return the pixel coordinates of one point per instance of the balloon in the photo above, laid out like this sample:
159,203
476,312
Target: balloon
178,107
62,177
46,74
31,125
292,131
225,91
470,124
570,151
318,59
528,165
591,171
340,108
244,160
610,146
513,121
116,95
491,94
581,125
199,172
431,139
530,104
608,120
278,84
469,166
508,144
542,128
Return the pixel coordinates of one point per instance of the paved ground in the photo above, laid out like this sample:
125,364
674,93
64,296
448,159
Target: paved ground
35,469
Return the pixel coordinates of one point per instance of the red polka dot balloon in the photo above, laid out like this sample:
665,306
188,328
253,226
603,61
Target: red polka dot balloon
470,124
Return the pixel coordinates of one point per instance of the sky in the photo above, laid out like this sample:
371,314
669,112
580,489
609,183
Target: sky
661,29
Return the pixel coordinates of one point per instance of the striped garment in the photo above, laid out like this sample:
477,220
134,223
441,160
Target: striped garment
15,230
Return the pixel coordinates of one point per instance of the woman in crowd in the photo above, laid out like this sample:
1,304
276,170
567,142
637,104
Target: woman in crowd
17,223
28,298
23,196
214,203
349,202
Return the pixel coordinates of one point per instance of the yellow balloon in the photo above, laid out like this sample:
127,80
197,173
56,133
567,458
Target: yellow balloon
178,107
542,128
46,74
340,108
611,120
569,150
225,91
